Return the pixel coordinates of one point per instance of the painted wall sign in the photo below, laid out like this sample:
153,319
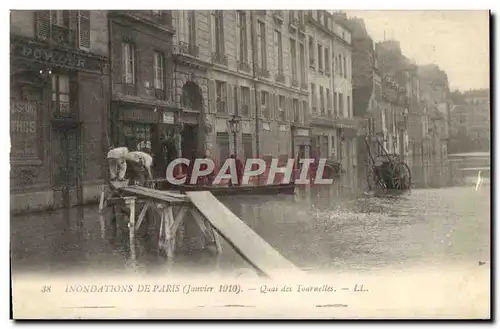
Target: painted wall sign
23,129
29,49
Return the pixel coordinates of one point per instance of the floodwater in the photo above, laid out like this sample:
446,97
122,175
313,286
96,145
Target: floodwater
321,228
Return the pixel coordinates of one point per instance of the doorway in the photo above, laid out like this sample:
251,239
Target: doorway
67,166
189,141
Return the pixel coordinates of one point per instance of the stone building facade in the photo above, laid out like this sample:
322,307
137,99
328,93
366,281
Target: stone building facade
59,100
469,121
143,110
246,67
346,124
435,97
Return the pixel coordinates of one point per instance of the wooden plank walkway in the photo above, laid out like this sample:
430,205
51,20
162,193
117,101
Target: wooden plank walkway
242,238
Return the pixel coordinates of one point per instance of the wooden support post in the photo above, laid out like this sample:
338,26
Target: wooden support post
217,240
101,201
159,208
130,202
142,215
169,237
208,233
102,222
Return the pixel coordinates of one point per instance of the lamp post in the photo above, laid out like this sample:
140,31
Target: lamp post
234,125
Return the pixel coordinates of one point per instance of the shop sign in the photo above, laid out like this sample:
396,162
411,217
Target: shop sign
137,115
168,117
53,56
23,129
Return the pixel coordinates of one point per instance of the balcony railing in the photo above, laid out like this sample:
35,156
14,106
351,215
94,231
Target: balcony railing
188,49
280,77
244,66
264,73
63,35
219,59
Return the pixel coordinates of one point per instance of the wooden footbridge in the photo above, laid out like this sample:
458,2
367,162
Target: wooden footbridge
214,220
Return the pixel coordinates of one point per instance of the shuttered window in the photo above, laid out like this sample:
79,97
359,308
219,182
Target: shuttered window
68,27
84,29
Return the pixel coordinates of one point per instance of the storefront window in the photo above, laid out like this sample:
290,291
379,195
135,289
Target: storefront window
135,134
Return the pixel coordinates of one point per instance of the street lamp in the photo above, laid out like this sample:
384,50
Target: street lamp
234,125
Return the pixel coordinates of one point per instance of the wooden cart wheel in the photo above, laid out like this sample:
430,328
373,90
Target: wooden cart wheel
401,176
375,181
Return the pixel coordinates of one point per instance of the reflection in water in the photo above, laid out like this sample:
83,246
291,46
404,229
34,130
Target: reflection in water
321,227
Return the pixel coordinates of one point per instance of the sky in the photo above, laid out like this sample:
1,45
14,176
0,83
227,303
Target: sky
457,41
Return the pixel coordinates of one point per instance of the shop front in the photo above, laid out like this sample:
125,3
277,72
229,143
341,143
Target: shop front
149,129
301,142
56,141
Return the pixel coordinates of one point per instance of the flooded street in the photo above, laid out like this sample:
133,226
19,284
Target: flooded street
316,229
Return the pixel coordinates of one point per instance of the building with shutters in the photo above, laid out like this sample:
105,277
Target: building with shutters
58,107
334,127
243,66
144,109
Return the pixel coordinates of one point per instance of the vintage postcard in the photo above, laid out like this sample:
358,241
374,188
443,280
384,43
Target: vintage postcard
250,164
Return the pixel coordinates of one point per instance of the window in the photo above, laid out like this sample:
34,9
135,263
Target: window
349,106
313,97
335,64
221,89
219,32
335,107
293,52
327,61
296,110
328,102
311,51
264,99
281,108
60,17
158,71
235,99
278,44
305,110
345,68
242,24
128,64
60,94
340,66
341,105
192,28
322,99
320,57
262,45
245,101
302,64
